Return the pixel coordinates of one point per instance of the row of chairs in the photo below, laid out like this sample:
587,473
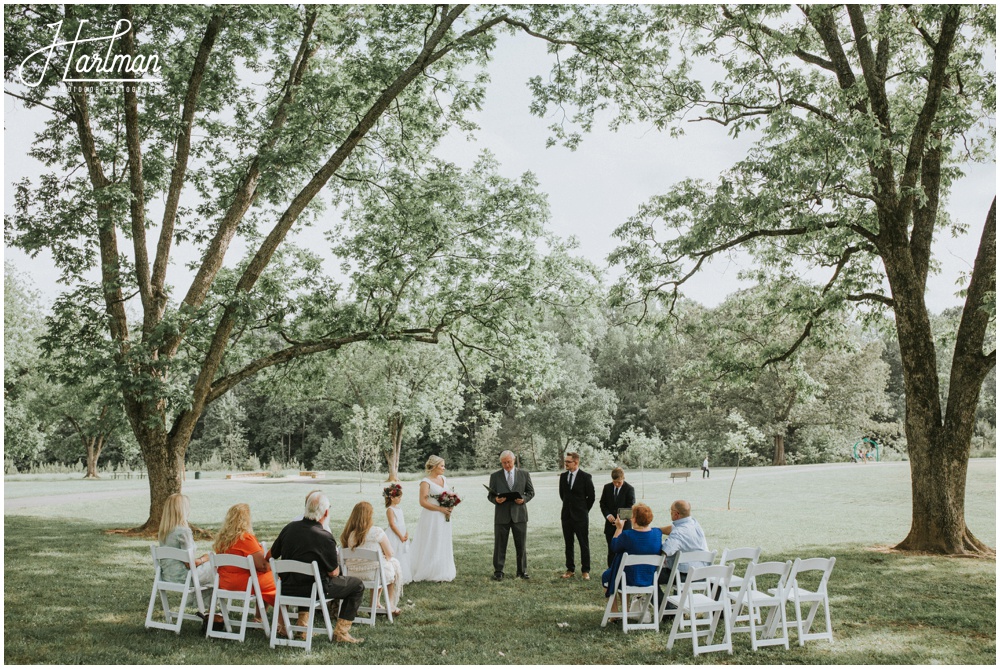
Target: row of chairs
715,593
248,606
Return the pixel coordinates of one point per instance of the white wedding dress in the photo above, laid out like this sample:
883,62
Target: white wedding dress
431,556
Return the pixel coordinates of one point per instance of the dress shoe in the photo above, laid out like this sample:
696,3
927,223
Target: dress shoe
586,576
568,574
498,576
524,576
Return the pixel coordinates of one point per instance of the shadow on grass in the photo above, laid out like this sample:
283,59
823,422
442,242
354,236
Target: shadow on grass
75,594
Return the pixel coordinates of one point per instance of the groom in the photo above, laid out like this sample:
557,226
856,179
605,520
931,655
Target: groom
510,514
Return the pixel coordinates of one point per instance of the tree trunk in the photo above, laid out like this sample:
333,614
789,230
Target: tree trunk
938,446
396,440
164,458
779,451
94,447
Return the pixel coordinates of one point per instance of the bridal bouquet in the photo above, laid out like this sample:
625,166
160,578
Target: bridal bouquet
448,500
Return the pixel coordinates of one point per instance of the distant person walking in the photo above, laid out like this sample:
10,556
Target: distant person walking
705,474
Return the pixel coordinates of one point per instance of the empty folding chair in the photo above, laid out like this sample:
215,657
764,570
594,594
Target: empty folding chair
674,583
372,581
246,600
161,588
703,602
753,598
648,595
736,556
816,597
315,600
730,555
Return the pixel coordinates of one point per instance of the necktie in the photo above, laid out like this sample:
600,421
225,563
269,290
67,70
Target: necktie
616,493
510,479
572,476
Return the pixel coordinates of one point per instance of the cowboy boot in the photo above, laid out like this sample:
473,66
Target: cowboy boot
302,621
342,632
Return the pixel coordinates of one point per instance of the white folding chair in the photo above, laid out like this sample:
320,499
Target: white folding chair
674,583
705,593
315,600
648,595
800,595
247,600
375,583
161,588
730,556
751,596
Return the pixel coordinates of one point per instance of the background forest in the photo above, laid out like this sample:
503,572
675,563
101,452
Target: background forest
661,394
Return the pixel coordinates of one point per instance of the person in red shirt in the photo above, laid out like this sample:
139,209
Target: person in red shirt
237,538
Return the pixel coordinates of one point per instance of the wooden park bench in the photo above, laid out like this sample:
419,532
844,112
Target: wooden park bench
248,475
311,475
679,475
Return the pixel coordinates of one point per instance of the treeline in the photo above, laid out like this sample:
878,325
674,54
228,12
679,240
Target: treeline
663,391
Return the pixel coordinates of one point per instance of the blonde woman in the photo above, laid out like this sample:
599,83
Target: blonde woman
175,532
432,557
361,532
236,538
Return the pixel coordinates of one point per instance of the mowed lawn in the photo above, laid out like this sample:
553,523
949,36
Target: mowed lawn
75,594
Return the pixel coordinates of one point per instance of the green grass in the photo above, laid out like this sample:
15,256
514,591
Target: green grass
74,594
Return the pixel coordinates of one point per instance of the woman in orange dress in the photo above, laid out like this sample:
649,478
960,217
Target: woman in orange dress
236,538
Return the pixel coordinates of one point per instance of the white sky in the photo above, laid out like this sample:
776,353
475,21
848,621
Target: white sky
591,191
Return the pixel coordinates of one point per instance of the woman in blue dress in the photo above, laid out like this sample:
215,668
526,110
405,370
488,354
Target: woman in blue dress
640,540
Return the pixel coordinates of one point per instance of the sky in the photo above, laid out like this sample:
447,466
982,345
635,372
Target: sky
591,191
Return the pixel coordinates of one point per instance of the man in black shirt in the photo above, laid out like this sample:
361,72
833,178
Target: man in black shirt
310,539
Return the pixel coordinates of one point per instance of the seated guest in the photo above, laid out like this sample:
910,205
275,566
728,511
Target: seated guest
236,538
684,535
176,533
361,532
640,540
309,540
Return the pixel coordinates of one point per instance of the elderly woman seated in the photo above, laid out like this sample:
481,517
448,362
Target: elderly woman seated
640,540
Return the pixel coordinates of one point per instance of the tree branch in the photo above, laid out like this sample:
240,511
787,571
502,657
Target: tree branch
181,156
137,203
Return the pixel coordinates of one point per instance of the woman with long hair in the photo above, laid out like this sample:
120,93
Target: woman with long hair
175,532
432,557
361,532
236,537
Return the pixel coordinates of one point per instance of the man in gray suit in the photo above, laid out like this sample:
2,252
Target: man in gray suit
510,514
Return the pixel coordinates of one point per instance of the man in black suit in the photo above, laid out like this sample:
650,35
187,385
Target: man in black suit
616,495
576,490
510,516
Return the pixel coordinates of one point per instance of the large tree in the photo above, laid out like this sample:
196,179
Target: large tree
268,119
862,118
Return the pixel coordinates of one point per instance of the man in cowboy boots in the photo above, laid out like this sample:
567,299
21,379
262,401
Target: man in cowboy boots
310,539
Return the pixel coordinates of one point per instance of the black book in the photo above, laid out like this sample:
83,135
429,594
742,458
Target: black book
511,496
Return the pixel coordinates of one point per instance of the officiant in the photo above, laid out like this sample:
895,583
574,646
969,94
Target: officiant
510,490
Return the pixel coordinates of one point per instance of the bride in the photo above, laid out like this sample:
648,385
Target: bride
431,555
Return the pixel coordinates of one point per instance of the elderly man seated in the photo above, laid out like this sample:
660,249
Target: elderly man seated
310,539
685,534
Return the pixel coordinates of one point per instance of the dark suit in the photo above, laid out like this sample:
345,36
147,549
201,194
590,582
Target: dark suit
576,505
510,517
609,507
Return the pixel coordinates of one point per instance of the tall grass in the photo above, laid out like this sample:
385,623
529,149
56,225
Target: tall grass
74,594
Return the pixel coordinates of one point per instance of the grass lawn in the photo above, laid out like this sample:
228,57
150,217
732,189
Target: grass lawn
75,594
